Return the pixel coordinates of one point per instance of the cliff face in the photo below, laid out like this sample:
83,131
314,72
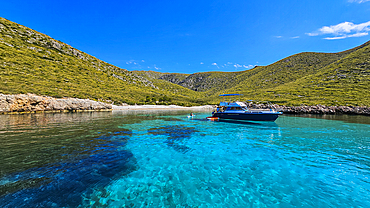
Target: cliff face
203,82
33,103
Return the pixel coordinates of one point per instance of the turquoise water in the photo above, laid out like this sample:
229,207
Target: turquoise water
165,159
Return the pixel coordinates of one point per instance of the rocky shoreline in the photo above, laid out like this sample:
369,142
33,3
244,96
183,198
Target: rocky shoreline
28,103
316,109
162,107
23,103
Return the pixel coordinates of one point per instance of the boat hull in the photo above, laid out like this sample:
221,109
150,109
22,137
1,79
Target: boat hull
248,116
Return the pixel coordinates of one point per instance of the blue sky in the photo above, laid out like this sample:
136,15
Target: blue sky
196,36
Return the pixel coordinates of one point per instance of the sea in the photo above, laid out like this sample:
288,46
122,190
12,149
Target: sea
165,159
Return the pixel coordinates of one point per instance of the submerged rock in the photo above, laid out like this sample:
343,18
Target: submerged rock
33,103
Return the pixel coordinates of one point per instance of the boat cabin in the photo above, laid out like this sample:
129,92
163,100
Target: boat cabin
239,111
232,107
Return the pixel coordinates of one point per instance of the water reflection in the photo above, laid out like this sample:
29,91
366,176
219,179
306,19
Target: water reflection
158,112
250,123
43,119
340,117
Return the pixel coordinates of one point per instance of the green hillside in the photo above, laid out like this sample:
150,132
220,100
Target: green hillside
295,80
31,62
312,78
344,82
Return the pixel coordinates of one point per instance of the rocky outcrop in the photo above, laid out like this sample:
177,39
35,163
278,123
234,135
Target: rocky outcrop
317,109
174,78
322,109
34,103
207,80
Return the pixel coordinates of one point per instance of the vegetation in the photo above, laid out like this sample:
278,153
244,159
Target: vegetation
31,62
305,78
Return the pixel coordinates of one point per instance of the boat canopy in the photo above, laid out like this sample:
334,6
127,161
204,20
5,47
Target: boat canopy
230,95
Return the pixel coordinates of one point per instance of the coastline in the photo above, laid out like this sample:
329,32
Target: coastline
317,109
160,107
31,103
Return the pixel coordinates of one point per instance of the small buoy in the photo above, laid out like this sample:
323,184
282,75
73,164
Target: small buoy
212,118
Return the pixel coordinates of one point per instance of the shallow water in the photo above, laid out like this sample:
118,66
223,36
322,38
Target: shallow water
164,159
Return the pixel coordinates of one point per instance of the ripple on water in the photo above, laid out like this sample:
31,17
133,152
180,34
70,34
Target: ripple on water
172,161
175,134
242,165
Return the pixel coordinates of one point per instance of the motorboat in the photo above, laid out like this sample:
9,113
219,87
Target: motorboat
238,110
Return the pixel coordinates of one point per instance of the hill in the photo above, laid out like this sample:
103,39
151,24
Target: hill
305,78
344,82
312,78
31,62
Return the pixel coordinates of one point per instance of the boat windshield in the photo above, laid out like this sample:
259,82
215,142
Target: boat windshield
236,108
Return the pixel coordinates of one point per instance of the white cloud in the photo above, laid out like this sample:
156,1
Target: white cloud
215,64
248,66
358,1
343,30
201,63
156,67
345,27
312,34
229,65
237,66
130,62
348,36
279,36
335,38
358,34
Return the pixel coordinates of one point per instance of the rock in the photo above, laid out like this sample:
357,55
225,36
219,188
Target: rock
31,103
316,109
56,45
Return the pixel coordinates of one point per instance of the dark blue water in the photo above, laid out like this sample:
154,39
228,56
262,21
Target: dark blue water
121,159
